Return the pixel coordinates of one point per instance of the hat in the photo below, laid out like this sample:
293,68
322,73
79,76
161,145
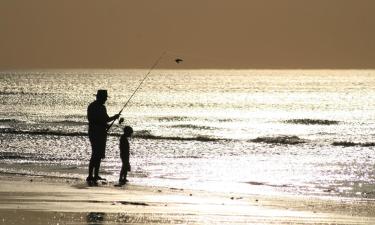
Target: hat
102,93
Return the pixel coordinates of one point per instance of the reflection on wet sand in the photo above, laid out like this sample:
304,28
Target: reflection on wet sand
95,218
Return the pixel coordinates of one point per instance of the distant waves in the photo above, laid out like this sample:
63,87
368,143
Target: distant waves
41,132
282,139
312,122
145,134
139,134
353,144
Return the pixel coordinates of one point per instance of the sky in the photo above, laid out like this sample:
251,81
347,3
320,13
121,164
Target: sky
225,34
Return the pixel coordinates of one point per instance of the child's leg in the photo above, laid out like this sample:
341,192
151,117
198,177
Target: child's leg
122,173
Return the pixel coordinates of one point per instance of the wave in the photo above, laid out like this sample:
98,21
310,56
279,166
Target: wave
10,121
62,122
172,118
25,93
12,155
353,144
225,120
9,93
256,183
202,138
312,122
30,156
192,126
68,122
42,132
140,135
186,157
32,173
284,139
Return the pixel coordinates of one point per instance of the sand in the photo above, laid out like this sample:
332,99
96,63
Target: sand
35,200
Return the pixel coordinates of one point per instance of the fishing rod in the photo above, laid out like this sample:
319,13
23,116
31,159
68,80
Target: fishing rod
140,84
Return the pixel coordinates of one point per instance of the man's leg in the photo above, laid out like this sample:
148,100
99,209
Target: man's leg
91,168
92,159
100,153
97,166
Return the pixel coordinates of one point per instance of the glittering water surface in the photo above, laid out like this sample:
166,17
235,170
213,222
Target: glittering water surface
250,131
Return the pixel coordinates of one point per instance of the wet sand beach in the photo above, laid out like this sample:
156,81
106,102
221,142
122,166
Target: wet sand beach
35,200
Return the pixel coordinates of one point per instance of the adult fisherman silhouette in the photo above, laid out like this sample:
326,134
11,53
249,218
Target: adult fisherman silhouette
98,126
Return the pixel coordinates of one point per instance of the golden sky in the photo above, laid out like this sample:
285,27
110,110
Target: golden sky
289,34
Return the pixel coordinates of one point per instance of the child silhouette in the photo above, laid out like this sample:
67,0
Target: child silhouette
124,154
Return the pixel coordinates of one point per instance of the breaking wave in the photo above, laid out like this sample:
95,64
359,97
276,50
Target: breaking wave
140,135
225,120
69,122
42,132
312,122
58,122
38,174
10,121
12,155
34,156
353,144
255,183
172,118
192,126
145,134
10,93
284,139
26,93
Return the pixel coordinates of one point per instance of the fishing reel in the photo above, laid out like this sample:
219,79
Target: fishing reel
121,120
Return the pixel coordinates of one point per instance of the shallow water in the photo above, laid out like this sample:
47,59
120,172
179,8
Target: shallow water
243,131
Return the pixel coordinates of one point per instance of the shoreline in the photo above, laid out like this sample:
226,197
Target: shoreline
39,200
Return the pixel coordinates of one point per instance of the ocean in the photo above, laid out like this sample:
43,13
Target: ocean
293,132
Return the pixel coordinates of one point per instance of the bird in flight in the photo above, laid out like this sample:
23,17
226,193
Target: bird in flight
178,60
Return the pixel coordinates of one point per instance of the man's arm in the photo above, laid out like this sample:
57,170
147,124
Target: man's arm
115,117
109,119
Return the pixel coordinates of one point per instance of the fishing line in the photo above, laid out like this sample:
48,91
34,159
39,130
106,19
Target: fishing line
177,60
139,85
